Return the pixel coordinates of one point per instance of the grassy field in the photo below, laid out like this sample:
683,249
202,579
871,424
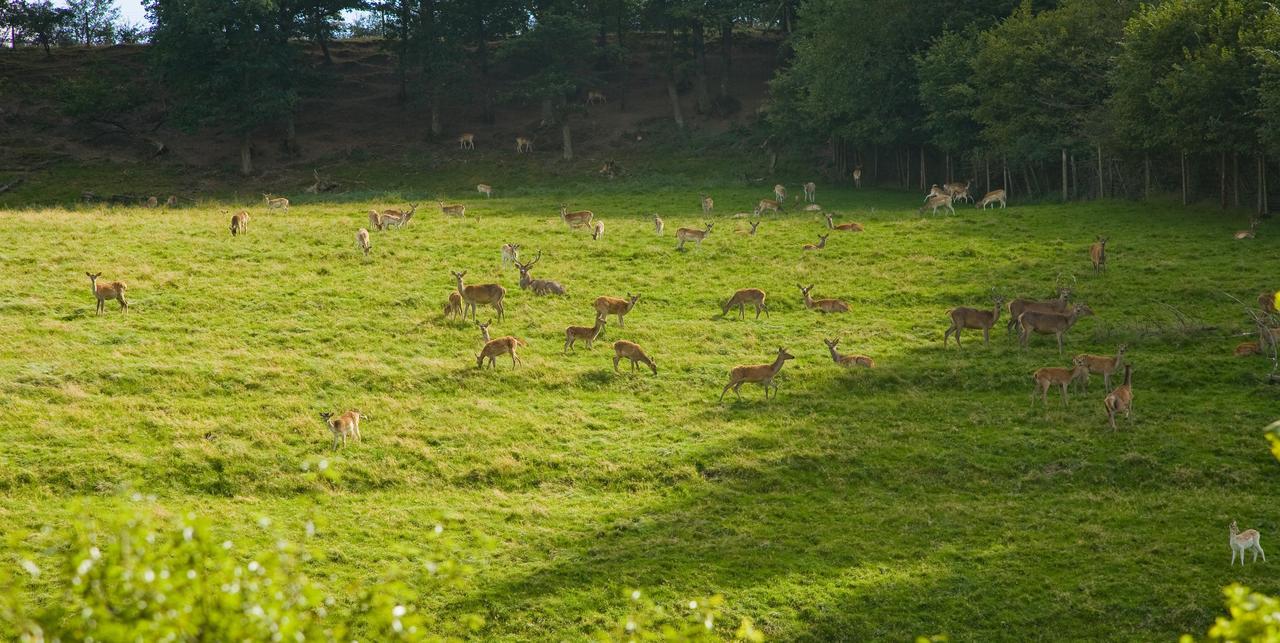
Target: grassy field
927,495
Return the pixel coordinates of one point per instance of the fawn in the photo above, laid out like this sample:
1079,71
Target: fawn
587,334
1049,377
623,349
761,374
847,361
495,347
114,290
1120,399
1245,541
1104,365
347,424
1098,254
822,305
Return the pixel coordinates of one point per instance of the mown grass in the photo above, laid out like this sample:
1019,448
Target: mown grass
927,495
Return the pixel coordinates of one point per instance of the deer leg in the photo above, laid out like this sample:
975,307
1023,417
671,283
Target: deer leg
620,324
726,388
616,358
1106,381
986,336
1064,394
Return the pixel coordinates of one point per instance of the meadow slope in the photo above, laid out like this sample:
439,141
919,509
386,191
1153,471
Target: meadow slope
927,495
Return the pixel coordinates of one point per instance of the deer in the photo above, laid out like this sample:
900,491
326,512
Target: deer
780,193
812,207
1101,364
598,231
958,191
511,253
1121,399
595,97
658,225
485,189
1050,323
963,317
768,204
810,192
484,330
1049,377
606,306
239,223
453,307
467,141
587,334
857,176
708,204
500,346
847,361
362,241
623,349
994,196
1098,254
822,305
276,203
1245,541
453,209
754,226
113,290
761,374
843,227
1021,305
577,218
523,144
1269,301
741,298
171,202
398,218
692,234
492,294
539,286
822,243
1247,234
935,202
375,220
342,426
153,202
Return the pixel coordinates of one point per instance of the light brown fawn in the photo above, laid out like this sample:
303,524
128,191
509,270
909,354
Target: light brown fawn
761,374
484,330
780,193
822,243
500,346
1050,323
754,225
1245,349
963,317
467,141
692,234
1051,376
958,191
598,231
587,334
847,361
1021,305
511,253
658,225
523,144
1243,542
485,189
114,290
934,202
994,196
343,426
453,209
453,306
768,204
1098,254
606,306
708,204
857,176
362,241
822,305
276,203
741,298
1121,399
398,218
623,349
239,223
492,294
538,286
810,192
375,220
576,219
1101,364
843,227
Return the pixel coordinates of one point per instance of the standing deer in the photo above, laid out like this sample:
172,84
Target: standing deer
963,317
658,225
741,298
1021,305
347,424
587,334
485,189
692,234
153,202
523,144
761,374
1248,234
843,227
623,349
576,219
171,202
822,243
1050,323
822,305
1049,377
1121,399
1098,254
606,306
934,190
511,253
453,209
375,220
453,307
492,294
500,346
467,141
1243,542
857,176
958,191
598,230
1104,365
538,286
810,192
398,218
780,193
114,290
847,361
280,203
937,201
708,204
595,97
768,204
994,196
362,241
239,223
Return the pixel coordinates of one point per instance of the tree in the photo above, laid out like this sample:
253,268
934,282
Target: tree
38,21
554,60
946,88
94,21
321,19
475,24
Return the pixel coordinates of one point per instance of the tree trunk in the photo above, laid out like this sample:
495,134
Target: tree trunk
1008,179
672,93
246,155
1235,179
700,93
675,103
1102,180
1146,176
987,161
924,182
482,50
291,135
1064,174
567,137
1183,175
726,58
1222,179
947,163
436,129
547,115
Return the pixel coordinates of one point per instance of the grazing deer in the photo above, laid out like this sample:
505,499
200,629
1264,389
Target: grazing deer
1049,377
342,426
171,202
1248,234
153,202
595,97
279,203
1098,254
492,294
467,141
114,290
500,346
937,201
741,298
1101,364
692,234
484,330
587,334
1245,349
598,230
761,374
708,204
576,219
780,193
822,305
1050,323
623,349
847,361
453,307
1121,399
958,191
810,192
485,189
658,225
538,286
963,317
754,226
994,196
857,176
843,227
523,144
453,209
606,306
239,223
362,241
822,243
511,253
375,220
1021,305
768,204
1245,541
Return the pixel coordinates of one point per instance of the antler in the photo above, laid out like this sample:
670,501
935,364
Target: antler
535,260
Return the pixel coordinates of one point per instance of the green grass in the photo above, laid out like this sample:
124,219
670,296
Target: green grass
927,495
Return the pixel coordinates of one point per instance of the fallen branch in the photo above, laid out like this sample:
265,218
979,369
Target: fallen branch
11,184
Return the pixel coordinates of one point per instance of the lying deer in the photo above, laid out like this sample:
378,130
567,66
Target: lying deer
1101,364
484,331
708,204
485,189
538,286
847,361
1248,234
810,192
523,144
1245,349
658,225
1021,305
587,334
822,305
761,374
822,243
453,307
754,226
963,317
280,203
623,349
692,234
492,294
606,306
453,209
598,231
500,346
1050,323
994,196
1098,254
467,141
576,219
362,241
239,223
103,292
936,201
1245,541
347,424
1121,399
741,298
1049,377
843,227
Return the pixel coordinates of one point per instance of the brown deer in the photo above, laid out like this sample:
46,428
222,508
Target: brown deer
692,234
708,204
810,192
1049,377
761,374
153,202
398,218
500,346
362,241
273,203
1098,254
822,243
768,204
843,227
1243,542
343,426
847,361
994,196
1021,305
453,307
623,349
523,144
538,286
598,231
587,334
1245,349
780,193
596,97
741,298
857,176
511,253
963,317
934,190
1121,399
453,209
1248,234
658,225
754,226
239,223
576,219
606,306
171,202
934,202
1268,301
492,294
375,220
1104,365
822,305
467,141
484,330
1050,323
485,189
958,191
113,290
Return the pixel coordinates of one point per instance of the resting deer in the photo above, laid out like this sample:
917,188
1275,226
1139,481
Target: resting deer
847,361
1050,323
768,204
606,306
843,227
492,294
822,243
623,349
500,346
595,97
994,196
279,203
485,189
708,204
963,317
1245,349
538,286
658,225
375,220
342,426
1021,305
523,144
453,209
810,192
1245,541
587,334
362,241
692,234
813,207
780,193
1101,364
1098,254
1121,399
822,305
103,292
1248,234
857,176
598,230
933,203
576,219
1049,377
484,330
171,202
239,223
453,307
761,374
467,141
754,226
741,298
511,253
